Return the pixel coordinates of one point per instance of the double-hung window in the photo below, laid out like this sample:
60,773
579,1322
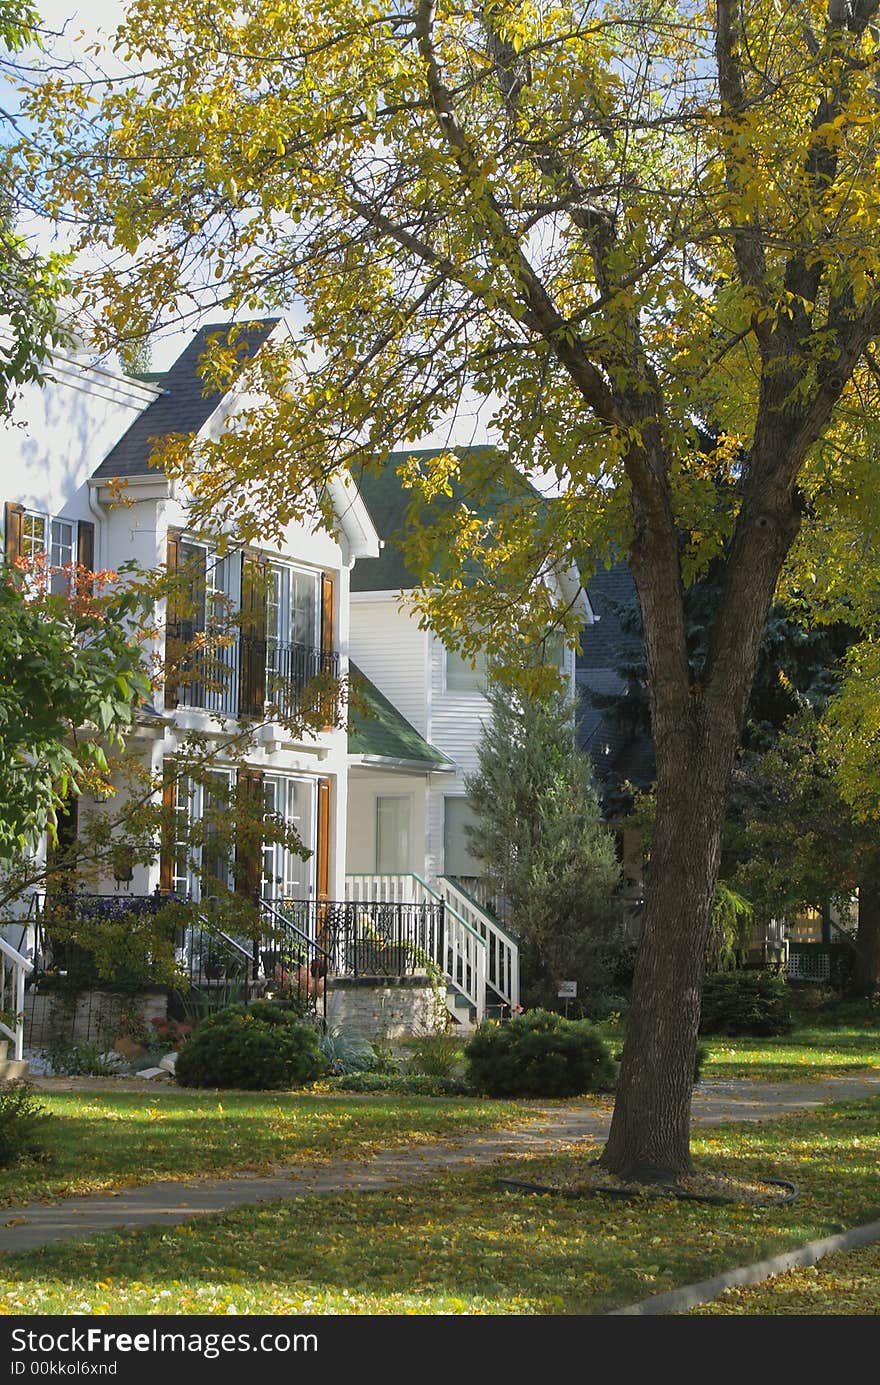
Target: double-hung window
51,542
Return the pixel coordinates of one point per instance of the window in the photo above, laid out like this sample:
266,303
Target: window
201,869
292,606
393,818
285,874
464,674
457,859
53,541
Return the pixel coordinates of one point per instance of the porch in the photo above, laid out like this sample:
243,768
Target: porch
238,949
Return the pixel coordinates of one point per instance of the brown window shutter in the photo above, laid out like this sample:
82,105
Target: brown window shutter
12,531
328,648
322,845
250,801
169,802
85,554
252,643
173,643
327,624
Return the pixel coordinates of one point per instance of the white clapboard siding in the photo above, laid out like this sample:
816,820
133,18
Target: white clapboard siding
387,644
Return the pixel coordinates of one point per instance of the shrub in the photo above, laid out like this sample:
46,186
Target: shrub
346,1053
435,1055
745,1002
538,1054
257,1047
22,1120
68,1059
400,1084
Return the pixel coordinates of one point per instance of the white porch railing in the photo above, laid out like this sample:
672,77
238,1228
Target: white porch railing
462,952
13,970
502,952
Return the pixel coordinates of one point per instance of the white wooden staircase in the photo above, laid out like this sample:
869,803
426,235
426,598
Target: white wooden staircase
14,967
476,954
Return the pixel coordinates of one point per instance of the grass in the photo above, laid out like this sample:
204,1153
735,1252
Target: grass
847,1284
461,1245
103,1140
812,1051
806,1054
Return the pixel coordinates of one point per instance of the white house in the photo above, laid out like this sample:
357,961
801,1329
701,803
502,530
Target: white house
79,487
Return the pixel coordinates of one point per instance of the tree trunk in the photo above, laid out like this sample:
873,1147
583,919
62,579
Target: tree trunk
649,1140
866,973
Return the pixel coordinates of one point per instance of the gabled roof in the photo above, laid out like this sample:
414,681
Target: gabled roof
183,406
378,730
387,500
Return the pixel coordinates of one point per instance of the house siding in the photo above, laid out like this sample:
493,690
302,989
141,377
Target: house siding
388,645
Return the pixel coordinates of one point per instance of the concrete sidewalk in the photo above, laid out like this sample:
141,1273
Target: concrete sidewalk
170,1203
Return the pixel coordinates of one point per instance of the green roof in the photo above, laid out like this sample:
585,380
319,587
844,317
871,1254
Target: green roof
376,728
387,500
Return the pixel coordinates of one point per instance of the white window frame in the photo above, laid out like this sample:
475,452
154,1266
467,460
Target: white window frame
188,881
463,692
281,630
53,570
275,888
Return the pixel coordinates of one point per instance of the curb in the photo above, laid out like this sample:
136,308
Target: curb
680,1300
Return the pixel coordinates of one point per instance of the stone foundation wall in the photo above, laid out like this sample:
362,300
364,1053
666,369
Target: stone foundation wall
89,1018
383,1007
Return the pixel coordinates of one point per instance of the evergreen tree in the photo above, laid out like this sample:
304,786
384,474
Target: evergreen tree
545,848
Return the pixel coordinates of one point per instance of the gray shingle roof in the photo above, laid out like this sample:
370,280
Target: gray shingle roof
183,406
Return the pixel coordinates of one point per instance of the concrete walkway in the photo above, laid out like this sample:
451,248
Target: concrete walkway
170,1203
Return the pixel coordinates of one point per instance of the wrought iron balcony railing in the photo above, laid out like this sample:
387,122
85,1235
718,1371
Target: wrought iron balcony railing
242,675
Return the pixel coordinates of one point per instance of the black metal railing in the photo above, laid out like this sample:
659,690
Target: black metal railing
371,938
282,948
243,675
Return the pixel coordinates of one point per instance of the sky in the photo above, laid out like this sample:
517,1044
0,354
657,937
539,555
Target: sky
70,26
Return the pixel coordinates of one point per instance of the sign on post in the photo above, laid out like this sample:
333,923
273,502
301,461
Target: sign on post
568,990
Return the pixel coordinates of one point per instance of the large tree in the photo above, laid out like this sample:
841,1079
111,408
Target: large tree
631,226
31,282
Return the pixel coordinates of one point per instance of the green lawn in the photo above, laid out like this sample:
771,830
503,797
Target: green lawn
808,1053
804,1055
847,1284
462,1245
108,1139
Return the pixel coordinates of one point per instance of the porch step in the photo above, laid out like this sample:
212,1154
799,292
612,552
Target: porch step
460,1008
13,1069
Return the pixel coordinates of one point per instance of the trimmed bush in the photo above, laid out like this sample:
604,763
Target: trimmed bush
256,1047
22,1120
745,1002
538,1054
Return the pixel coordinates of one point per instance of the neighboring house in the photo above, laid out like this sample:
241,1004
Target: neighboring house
408,807
807,946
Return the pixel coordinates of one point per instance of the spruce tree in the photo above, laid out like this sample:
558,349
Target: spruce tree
545,848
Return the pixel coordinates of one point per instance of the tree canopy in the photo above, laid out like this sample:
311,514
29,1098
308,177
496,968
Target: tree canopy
30,282
72,677
636,227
